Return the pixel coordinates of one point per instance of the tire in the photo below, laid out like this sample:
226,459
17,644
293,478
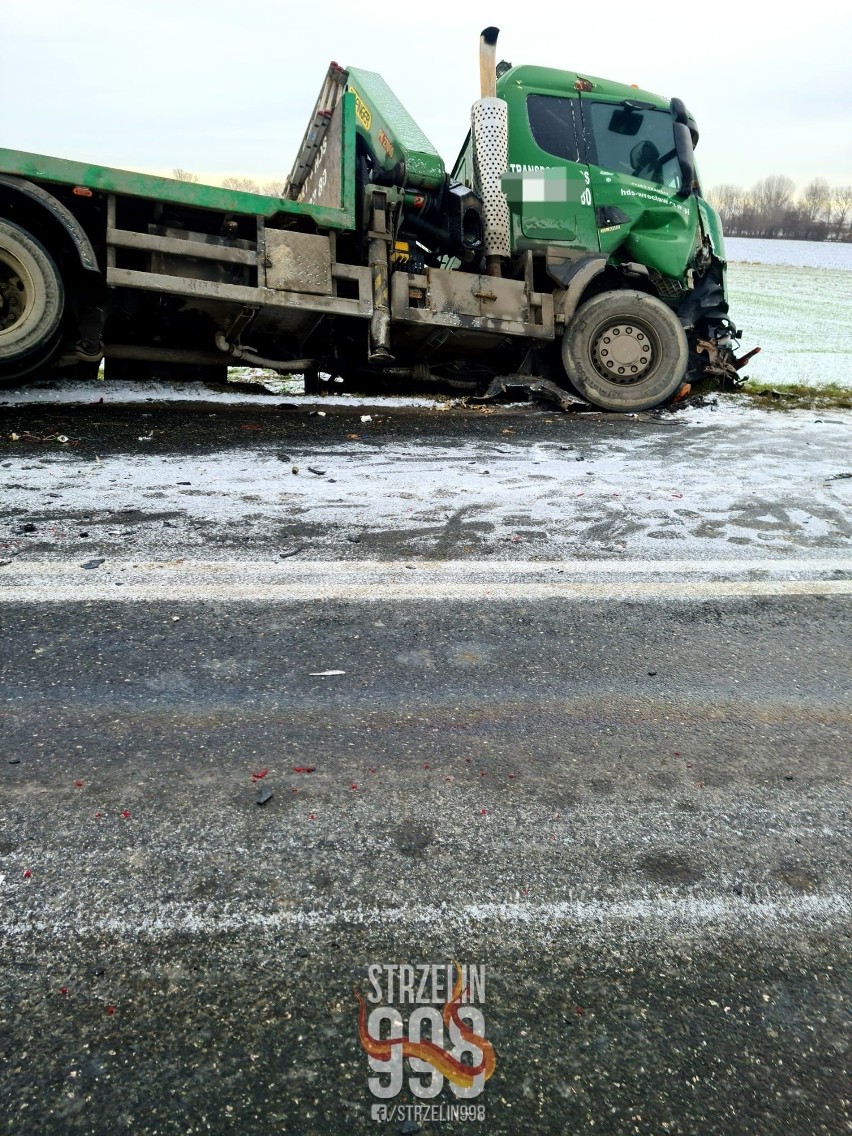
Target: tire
32,301
625,351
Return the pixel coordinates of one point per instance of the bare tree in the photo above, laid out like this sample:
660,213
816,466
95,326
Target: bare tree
773,197
184,175
815,207
243,184
728,201
841,205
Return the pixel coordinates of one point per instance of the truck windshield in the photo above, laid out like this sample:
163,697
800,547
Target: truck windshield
635,141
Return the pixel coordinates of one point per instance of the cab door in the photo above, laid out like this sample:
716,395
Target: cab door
548,182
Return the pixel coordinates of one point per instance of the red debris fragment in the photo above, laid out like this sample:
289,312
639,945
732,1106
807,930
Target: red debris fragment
110,1009
483,812
297,769
125,813
312,816
98,816
63,989
27,874
426,765
511,776
448,778
78,784
353,785
579,1011
261,773
371,770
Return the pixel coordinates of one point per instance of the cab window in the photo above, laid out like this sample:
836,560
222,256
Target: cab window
552,125
634,141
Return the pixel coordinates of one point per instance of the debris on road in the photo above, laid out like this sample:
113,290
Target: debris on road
291,552
263,793
96,563
325,674
304,768
503,384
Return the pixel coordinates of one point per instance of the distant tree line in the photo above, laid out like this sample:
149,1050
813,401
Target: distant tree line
773,207
246,185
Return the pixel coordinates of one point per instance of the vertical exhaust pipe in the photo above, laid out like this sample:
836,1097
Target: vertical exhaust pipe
488,63
490,144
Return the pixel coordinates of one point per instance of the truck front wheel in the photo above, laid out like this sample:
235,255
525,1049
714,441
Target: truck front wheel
32,300
625,351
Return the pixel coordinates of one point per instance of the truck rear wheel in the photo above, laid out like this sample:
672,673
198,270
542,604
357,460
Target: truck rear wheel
625,351
32,301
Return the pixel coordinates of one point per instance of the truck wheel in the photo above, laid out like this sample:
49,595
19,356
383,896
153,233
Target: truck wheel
625,351
32,300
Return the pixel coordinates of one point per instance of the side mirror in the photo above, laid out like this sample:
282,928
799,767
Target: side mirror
685,157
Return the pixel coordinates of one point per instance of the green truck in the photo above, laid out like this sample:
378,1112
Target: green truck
568,245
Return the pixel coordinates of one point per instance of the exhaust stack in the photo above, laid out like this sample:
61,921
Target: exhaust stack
490,144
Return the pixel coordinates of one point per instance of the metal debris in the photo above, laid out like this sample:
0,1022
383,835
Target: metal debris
503,384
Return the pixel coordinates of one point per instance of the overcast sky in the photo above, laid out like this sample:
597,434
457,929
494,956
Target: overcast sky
226,86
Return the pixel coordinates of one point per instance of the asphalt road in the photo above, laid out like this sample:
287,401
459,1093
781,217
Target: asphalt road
609,768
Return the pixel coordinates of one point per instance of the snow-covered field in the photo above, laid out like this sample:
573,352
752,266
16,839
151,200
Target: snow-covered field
794,300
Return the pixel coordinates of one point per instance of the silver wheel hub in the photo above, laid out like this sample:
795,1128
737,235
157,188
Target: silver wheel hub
623,353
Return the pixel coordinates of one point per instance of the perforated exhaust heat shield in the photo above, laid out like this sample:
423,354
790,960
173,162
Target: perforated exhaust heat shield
490,135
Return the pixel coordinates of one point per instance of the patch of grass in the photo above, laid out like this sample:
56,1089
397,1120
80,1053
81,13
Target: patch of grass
798,396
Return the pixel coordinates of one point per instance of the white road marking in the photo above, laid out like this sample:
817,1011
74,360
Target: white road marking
639,917
292,581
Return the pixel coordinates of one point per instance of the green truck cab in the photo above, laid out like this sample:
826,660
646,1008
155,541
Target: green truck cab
568,245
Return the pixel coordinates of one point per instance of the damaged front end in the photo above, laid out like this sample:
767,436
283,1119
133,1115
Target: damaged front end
703,311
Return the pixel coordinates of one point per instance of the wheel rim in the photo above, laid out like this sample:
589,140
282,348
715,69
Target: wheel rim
17,293
625,351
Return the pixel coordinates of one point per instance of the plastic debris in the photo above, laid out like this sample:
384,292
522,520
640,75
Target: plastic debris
96,563
145,437
291,552
263,793
318,472
325,674
304,768
366,418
